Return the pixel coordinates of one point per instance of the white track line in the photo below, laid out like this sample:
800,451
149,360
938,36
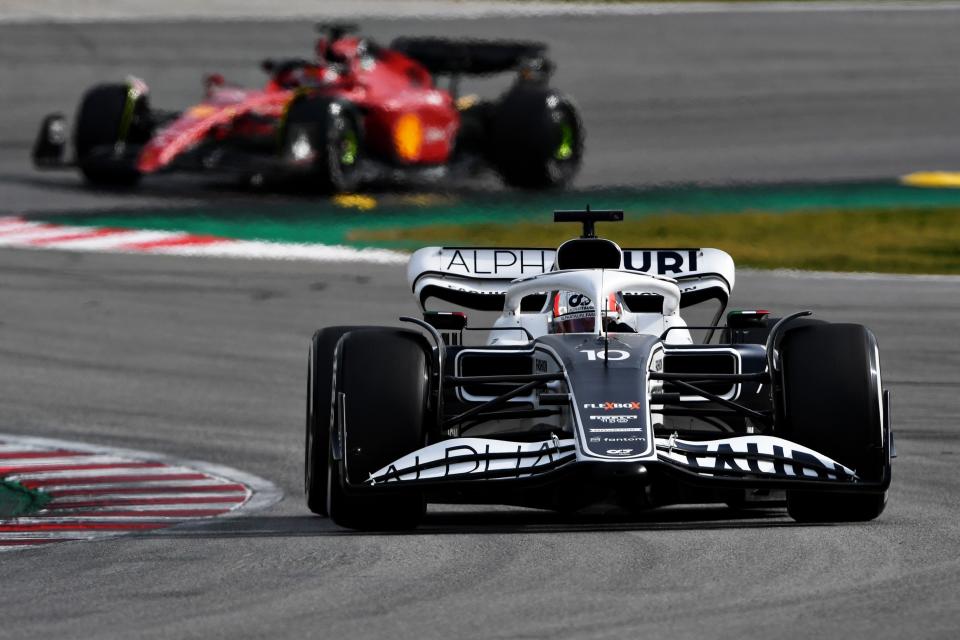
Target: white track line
288,251
63,501
8,224
131,486
121,470
143,517
116,241
22,234
143,508
6,463
50,535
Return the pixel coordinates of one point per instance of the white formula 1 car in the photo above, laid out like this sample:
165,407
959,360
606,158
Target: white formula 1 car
590,388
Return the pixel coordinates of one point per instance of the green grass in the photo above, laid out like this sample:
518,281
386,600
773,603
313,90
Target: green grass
907,240
17,500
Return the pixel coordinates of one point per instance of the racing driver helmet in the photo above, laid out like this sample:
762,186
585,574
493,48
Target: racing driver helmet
576,313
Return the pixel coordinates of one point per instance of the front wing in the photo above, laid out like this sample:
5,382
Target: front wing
752,459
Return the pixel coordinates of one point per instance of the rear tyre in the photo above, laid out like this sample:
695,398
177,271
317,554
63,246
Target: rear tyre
832,403
322,141
319,411
537,138
110,121
382,385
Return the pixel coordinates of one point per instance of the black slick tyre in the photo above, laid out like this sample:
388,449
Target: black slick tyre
536,138
832,403
320,362
109,123
322,143
382,385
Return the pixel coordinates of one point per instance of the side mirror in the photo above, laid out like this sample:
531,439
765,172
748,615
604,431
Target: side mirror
51,142
747,319
744,326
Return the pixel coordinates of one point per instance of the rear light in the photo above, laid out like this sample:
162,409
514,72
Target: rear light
408,137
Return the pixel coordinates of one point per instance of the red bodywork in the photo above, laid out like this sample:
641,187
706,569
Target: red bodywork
386,86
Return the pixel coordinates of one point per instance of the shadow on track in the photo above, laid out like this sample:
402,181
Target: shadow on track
213,188
174,187
497,522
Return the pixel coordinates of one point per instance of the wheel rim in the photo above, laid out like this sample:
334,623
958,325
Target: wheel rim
301,149
565,157
349,146
564,150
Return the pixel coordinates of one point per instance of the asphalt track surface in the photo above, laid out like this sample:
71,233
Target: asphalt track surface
205,359
718,98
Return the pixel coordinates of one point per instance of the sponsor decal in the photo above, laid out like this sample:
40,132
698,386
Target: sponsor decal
617,430
507,263
610,406
609,354
202,111
578,300
614,419
625,439
595,439
476,456
667,262
513,263
540,365
574,315
435,134
752,455
619,452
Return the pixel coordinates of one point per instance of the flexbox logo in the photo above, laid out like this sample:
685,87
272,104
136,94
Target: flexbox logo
614,419
610,406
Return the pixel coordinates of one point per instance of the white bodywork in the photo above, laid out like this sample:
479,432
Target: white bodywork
480,278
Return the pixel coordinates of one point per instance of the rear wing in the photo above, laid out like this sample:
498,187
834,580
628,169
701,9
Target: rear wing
477,278
445,56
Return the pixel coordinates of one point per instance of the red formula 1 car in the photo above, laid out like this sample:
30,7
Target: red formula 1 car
356,114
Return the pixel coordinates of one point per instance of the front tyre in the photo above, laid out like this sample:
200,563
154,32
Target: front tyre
113,121
382,386
320,362
832,402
